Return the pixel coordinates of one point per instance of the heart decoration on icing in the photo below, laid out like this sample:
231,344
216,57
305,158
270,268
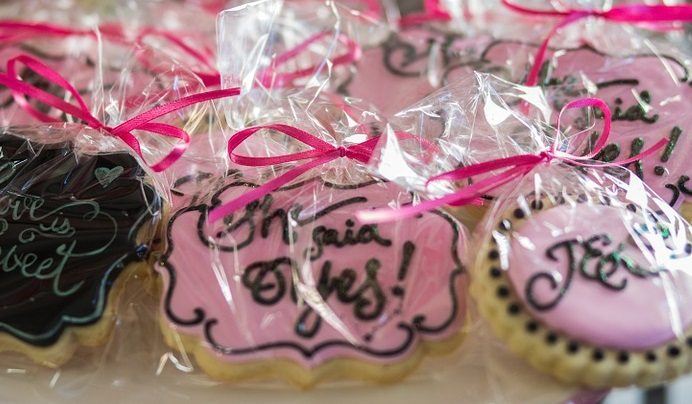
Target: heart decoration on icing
106,176
295,276
64,238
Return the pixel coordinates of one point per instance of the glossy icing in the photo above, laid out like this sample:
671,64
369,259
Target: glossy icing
69,224
649,96
408,66
252,288
579,270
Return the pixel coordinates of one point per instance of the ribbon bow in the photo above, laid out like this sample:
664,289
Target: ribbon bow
626,13
321,153
512,168
20,90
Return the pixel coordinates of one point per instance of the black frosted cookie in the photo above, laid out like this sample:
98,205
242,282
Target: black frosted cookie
72,227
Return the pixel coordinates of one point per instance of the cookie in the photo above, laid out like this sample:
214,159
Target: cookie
649,96
593,292
408,66
73,229
294,288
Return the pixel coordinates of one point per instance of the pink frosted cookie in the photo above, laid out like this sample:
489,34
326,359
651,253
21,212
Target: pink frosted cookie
294,288
408,66
594,292
650,97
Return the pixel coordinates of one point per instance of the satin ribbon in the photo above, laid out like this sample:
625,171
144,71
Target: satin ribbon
142,121
432,11
270,77
11,30
504,170
321,153
17,31
14,31
210,77
627,14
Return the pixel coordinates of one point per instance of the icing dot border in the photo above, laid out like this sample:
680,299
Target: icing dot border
496,280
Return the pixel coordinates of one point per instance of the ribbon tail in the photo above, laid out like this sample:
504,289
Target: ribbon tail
405,212
539,57
265,189
465,196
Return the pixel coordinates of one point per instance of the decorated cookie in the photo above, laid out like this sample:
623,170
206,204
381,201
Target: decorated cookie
649,96
73,228
593,291
292,287
408,66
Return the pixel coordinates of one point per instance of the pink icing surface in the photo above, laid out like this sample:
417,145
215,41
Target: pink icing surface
420,59
664,79
220,281
640,316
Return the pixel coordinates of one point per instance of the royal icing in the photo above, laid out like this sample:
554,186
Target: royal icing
408,66
295,276
648,95
603,275
69,224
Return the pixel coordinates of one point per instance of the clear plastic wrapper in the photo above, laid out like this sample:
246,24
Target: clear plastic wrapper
289,47
83,206
407,65
77,226
304,309
567,248
639,70
125,81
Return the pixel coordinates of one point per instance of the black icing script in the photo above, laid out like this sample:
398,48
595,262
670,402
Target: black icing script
269,282
678,187
594,259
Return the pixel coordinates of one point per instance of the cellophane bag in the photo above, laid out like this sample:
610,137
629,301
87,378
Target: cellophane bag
288,47
82,213
564,252
563,261
477,119
305,309
640,70
79,220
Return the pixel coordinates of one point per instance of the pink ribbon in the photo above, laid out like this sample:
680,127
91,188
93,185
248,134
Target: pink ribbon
271,78
321,153
627,13
511,168
432,11
210,77
16,31
20,90
11,30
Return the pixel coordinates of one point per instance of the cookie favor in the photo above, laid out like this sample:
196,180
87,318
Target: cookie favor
73,228
292,287
592,292
649,96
